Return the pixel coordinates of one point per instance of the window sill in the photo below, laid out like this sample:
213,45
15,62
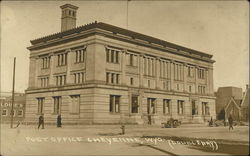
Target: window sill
114,63
79,62
45,68
58,66
74,113
114,113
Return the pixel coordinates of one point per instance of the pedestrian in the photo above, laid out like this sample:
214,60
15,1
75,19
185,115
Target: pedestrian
230,121
59,121
41,121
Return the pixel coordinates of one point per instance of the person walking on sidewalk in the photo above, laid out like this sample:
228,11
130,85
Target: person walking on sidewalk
230,122
41,121
59,121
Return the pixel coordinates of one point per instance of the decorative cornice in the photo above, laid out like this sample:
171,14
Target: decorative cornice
114,32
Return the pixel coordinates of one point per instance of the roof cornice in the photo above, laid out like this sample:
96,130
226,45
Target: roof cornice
120,34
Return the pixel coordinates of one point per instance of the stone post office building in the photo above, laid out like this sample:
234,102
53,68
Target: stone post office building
100,73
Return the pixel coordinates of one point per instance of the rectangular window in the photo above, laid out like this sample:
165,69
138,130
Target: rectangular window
60,80
79,77
80,55
107,77
112,56
74,106
62,59
44,81
114,104
134,104
4,112
201,73
112,78
40,105
57,104
166,106
205,108
151,105
148,83
131,81
190,89
180,107
194,108
201,89
20,113
46,62
131,59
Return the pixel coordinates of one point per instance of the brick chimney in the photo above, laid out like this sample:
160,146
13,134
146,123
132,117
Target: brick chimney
68,19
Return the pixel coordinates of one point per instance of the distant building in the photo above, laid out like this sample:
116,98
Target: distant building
18,107
245,105
100,73
233,101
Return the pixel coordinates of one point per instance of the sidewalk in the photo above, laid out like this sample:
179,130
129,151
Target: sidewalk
240,134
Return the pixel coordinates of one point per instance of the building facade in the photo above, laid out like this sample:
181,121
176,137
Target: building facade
18,107
99,73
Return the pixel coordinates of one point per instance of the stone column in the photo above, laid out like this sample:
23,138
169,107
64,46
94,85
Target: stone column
207,90
51,77
141,70
172,75
123,67
185,88
196,79
37,71
157,72
211,80
69,61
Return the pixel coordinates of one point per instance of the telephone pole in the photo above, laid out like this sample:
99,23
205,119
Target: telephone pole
13,95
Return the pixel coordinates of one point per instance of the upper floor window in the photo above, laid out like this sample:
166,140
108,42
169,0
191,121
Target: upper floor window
201,73
131,81
114,104
80,55
165,85
62,59
149,66
112,78
20,113
60,80
112,55
79,77
201,89
46,62
178,72
190,71
164,69
4,112
44,81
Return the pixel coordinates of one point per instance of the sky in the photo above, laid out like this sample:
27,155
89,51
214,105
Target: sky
220,28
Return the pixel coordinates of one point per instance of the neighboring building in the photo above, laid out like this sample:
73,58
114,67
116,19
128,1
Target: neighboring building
234,102
18,107
233,108
224,94
245,105
99,73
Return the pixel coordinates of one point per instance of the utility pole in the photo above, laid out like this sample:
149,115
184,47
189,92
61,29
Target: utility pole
13,95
